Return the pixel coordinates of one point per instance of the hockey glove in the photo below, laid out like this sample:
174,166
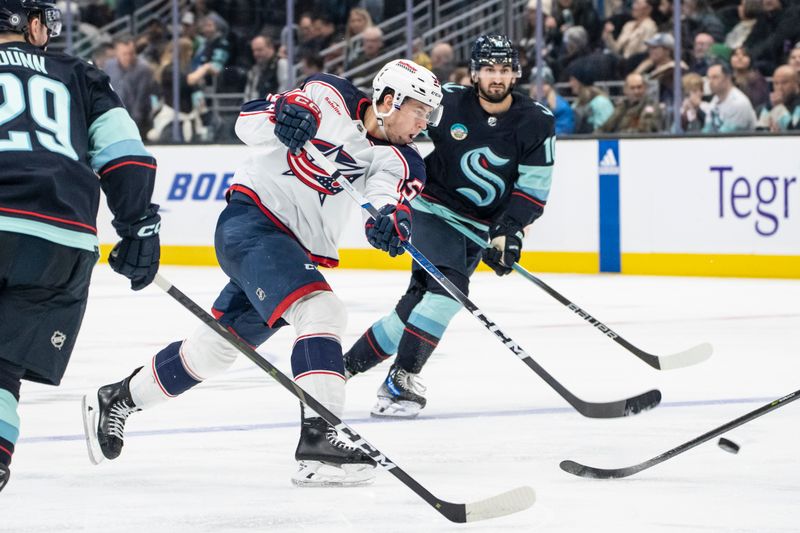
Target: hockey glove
296,120
137,255
390,229
505,247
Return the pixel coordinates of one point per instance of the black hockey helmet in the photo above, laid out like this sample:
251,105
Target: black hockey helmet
14,15
494,50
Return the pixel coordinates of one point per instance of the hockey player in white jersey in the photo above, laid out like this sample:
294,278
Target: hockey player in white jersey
283,220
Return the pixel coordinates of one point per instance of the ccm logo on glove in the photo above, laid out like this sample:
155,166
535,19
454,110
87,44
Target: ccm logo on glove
296,120
390,229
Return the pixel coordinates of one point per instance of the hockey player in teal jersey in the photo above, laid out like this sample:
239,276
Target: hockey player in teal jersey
491,171
64,135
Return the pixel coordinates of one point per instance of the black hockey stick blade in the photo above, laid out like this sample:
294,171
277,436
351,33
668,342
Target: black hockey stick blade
615,409
578,469
503,504
620,408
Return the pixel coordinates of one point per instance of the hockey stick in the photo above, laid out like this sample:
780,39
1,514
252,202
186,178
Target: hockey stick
612,473
692,356
630,406
503,504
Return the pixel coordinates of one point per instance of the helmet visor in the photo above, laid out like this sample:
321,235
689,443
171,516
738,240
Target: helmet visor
52,19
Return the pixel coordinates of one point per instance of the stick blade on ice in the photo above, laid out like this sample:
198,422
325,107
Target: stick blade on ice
510,502
692,356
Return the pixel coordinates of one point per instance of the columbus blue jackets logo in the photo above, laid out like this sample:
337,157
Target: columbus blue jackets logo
303,168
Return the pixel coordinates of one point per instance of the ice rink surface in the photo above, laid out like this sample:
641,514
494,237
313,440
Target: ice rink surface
219,458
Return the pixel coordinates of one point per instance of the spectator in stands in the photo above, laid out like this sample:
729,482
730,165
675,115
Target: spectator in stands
132,78
305,34
564,116
784,100
748,11
635,113
372,47
550,32
700,53
358,20
324,32
698,17
659,65
309,65
760,42
748,79
634,33
418,54
213,55
794,58
571,13
592,106
151,43
693,109
575,45
730,109
102,54
268,73
663,16
442,60
190,96
189,29
461,76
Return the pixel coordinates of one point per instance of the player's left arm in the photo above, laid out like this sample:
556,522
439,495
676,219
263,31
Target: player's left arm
398,176
529,194
127,176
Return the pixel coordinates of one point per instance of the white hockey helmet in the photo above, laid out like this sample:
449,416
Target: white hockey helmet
408,80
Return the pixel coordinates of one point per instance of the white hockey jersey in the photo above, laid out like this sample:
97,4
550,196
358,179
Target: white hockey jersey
300,197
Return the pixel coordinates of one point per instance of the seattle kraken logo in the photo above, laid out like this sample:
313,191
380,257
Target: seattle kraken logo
475,165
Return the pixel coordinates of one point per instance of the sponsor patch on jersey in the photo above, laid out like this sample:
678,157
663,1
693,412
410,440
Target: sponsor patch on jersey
459,131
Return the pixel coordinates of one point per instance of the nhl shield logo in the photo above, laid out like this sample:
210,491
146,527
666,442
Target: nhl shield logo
458,131
58,339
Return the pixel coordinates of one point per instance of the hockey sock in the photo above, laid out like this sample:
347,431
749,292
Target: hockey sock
318,367
377,344
424,329
9,419
167,377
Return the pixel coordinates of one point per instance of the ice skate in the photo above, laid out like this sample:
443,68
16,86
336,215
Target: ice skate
327,461
400,395
104,416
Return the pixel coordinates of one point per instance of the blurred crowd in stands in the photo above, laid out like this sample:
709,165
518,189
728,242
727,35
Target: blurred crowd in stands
609,72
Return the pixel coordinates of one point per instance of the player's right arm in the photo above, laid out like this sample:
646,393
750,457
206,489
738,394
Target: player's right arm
292,117
127,176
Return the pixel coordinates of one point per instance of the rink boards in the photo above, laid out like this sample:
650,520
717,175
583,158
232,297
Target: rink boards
726,206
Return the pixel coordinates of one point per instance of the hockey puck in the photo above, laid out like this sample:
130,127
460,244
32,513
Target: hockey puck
728,445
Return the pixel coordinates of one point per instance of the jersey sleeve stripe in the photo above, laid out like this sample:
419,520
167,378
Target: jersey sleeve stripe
124,163
535,180
527,197
48,217
112,135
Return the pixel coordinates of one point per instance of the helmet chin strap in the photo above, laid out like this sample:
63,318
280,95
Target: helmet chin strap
379,117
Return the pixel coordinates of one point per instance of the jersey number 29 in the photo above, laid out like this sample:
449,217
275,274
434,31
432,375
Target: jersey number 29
54,134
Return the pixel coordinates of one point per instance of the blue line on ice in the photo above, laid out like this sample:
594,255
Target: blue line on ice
361,421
